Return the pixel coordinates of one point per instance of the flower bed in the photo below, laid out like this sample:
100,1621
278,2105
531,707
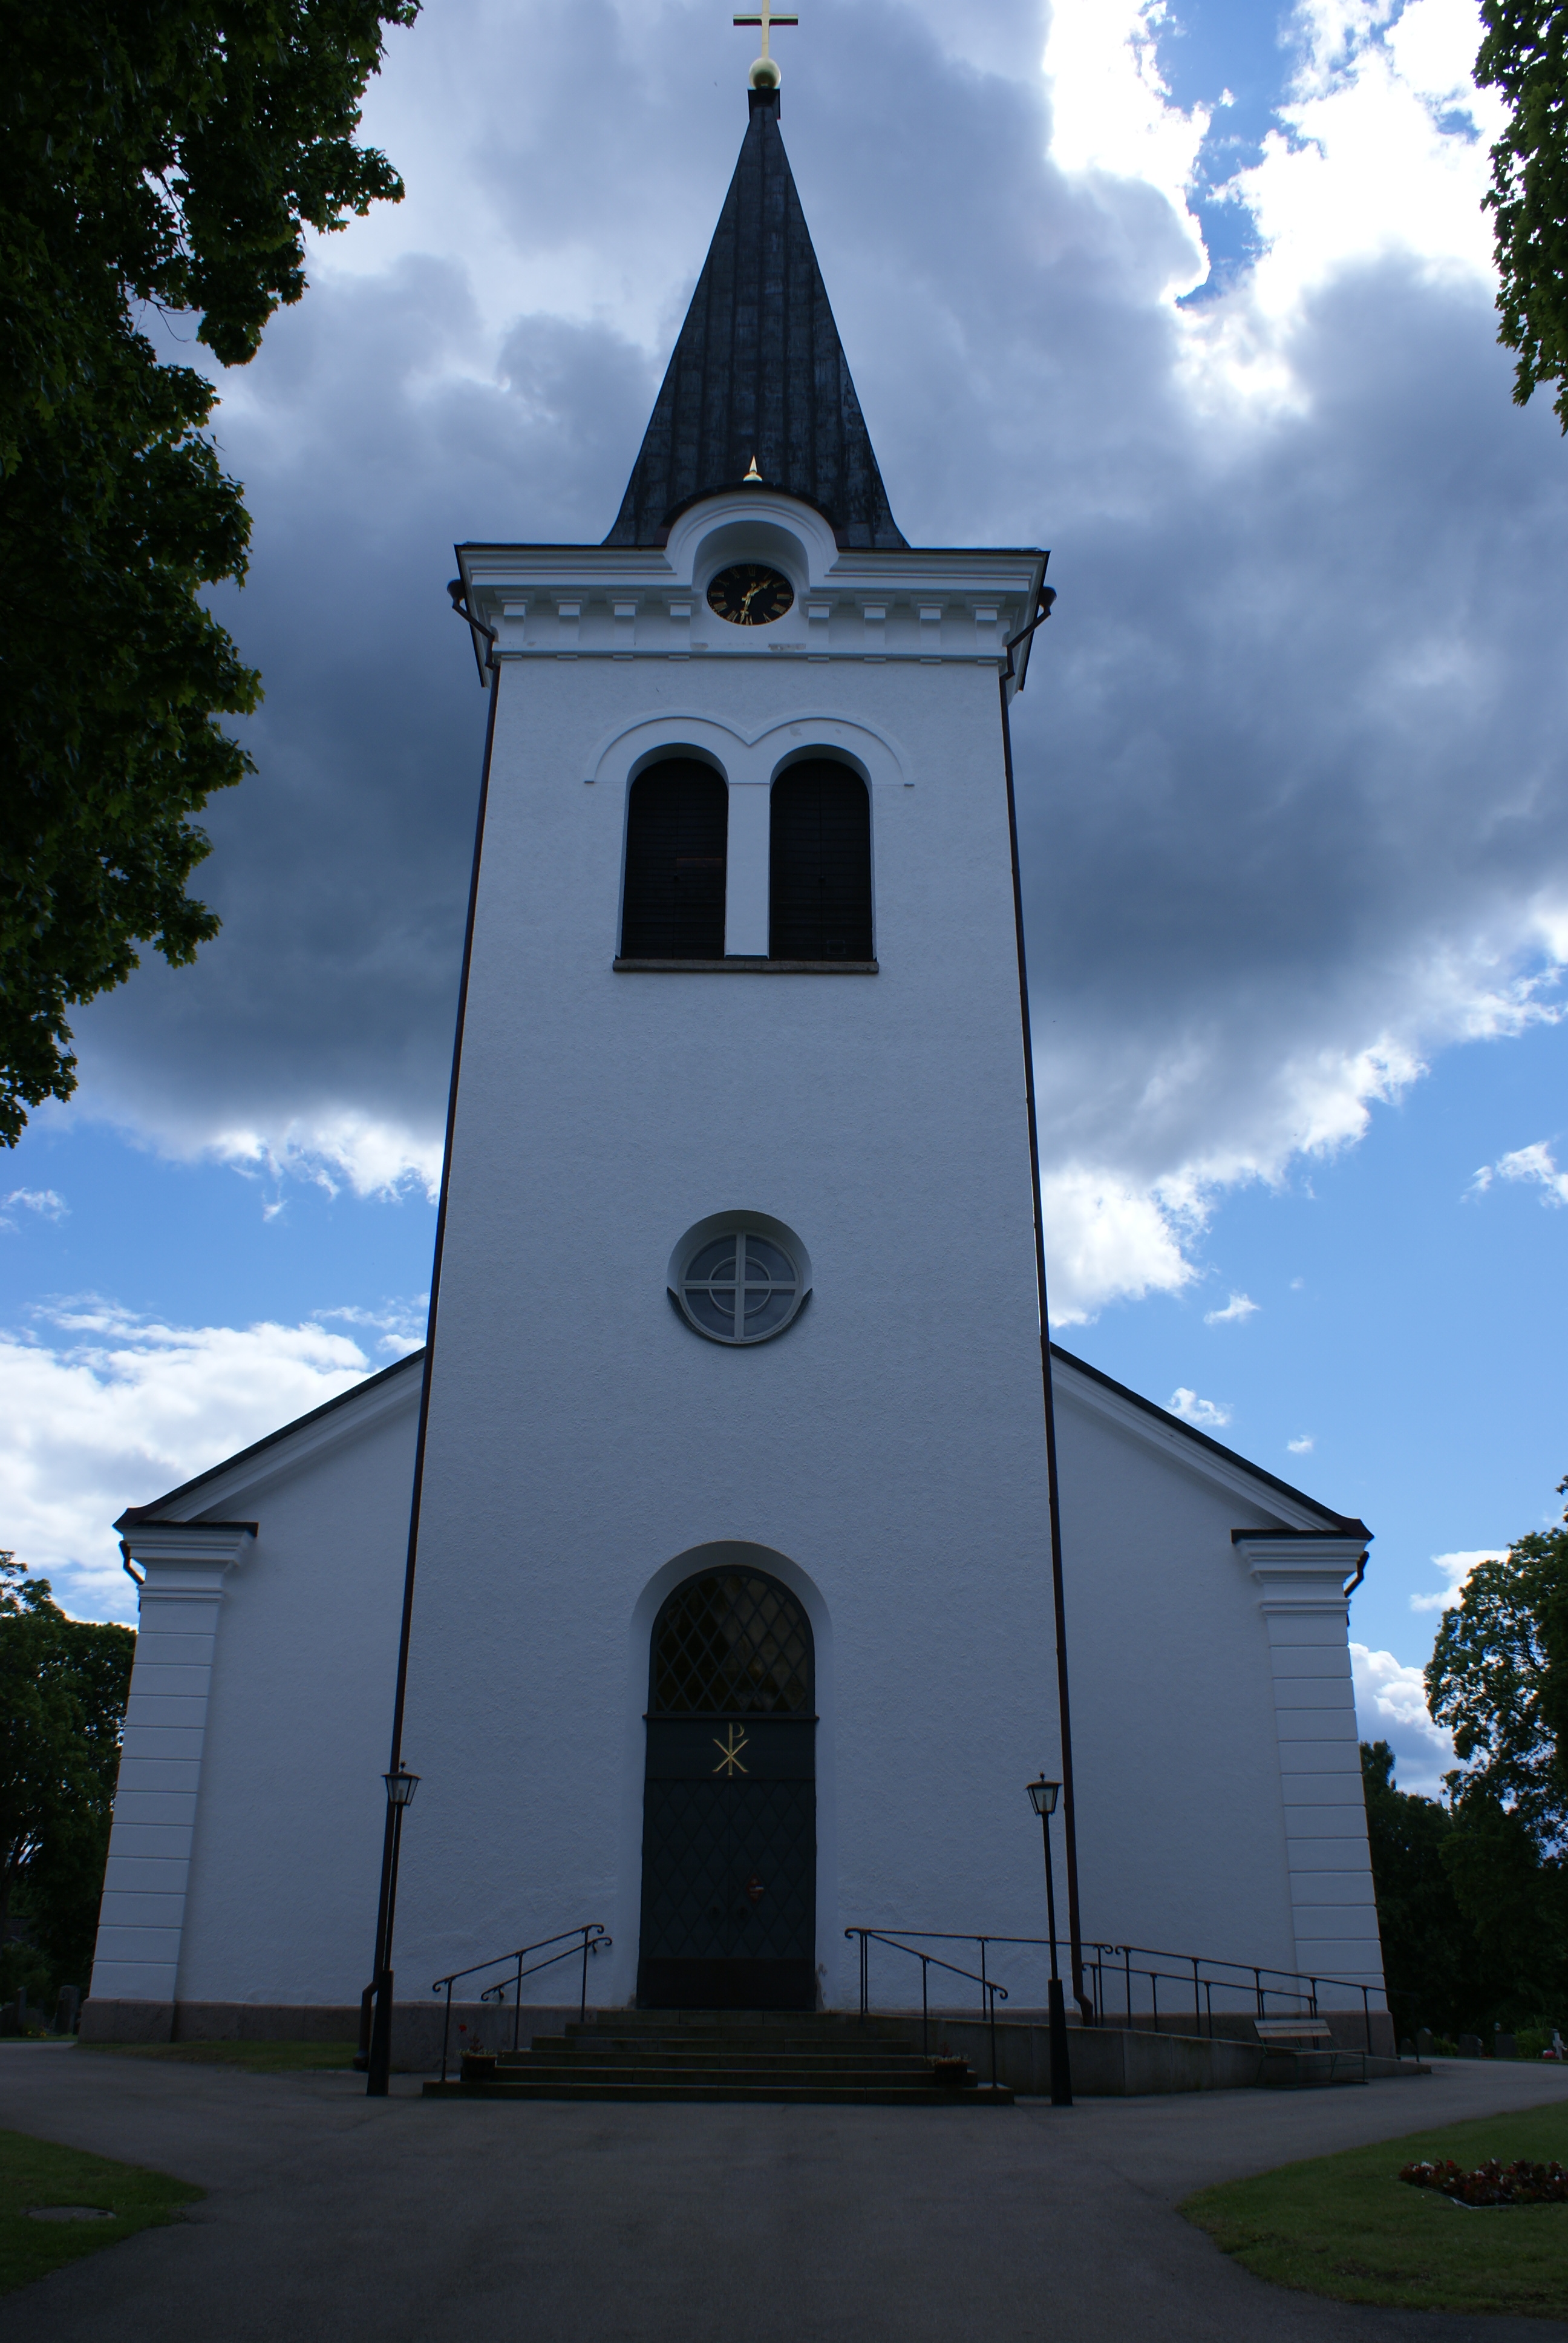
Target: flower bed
1492,2183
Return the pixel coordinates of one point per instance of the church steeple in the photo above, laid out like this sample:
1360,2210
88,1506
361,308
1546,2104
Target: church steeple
758,384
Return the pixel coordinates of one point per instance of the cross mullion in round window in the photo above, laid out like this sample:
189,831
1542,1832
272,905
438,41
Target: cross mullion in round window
739,1286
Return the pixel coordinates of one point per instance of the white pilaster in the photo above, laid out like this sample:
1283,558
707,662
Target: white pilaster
745,870
183,1565
1301,1580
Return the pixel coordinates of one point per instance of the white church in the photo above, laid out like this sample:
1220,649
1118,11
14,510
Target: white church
740,1068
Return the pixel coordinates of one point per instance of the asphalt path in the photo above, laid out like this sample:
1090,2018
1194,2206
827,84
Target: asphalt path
335,2219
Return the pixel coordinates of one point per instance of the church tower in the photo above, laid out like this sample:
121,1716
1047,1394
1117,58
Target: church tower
725,1613
730,1623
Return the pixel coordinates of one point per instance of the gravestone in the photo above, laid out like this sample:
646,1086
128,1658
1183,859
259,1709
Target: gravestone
69,2009
1503,2044
1471,2047
1424,2041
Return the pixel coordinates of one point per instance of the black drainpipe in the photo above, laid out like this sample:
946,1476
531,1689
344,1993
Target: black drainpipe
396,1759
1059,1599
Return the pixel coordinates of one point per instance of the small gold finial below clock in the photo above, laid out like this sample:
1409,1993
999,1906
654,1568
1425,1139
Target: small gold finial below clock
753,476
765,73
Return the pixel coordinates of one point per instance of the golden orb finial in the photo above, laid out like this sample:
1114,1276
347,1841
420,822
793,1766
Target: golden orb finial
764,73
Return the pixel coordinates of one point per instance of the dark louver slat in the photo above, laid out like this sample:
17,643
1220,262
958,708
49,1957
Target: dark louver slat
820,906
675,846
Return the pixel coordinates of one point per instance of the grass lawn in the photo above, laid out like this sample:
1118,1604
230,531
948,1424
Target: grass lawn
35,2172
1345,2226
257,2057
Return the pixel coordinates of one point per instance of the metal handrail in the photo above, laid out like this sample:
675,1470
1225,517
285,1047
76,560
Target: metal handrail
593,1939
989,1989
1101,1958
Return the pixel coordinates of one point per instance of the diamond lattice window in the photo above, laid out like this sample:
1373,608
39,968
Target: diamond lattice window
731,1643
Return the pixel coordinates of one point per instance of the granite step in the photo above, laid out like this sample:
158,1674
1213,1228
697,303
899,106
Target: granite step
658,2055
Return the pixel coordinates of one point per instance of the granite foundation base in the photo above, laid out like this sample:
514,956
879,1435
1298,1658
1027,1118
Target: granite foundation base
417,2025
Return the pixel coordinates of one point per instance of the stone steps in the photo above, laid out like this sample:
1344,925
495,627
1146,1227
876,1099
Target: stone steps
656,2055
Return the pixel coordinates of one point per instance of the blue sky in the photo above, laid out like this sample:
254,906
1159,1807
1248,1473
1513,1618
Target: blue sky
1291,767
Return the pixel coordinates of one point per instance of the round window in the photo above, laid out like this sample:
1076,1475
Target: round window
739,1277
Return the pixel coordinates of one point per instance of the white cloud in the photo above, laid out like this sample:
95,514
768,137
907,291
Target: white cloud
1390,1705
1455,1569
1303,1445
1382,149
44,1202
398,1326
105,1410
374,1157
1108,1242
1535,1163
1240,1306
1208,1414
1112,114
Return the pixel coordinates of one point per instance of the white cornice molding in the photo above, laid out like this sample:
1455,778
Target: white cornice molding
518,590
1301,1574
180,1560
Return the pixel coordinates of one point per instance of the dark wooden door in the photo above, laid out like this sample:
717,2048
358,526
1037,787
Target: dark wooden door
729,1802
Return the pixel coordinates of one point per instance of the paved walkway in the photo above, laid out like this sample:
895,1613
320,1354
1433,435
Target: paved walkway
332,2218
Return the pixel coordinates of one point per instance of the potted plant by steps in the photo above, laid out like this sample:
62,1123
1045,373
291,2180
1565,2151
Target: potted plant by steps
949,2073
478,2064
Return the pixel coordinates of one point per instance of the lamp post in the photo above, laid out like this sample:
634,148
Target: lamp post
1043,1798
400,1787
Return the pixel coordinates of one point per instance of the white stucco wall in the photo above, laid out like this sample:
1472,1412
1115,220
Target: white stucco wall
888,1447
279,1783
885,1456
1203,1819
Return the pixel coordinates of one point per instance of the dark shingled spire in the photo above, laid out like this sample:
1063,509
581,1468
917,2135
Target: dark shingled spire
759,371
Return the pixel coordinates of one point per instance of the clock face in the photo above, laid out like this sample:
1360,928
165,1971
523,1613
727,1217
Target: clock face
750,595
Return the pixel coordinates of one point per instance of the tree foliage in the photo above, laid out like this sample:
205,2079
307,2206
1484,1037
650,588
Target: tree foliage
63,1688
1498,1676
156,157
1524,54
1472,1899
1433,1966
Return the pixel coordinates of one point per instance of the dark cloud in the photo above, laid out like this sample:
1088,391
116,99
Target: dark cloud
1291,757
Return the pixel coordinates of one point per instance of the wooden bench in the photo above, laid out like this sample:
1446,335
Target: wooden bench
1309,2042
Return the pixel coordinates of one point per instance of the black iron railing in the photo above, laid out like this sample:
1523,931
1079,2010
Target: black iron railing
582,1942
1118,1972
990,1991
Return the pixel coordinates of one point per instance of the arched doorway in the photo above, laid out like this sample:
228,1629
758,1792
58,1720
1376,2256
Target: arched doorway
730,1801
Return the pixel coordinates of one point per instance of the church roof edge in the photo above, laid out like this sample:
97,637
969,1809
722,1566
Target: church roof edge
140,1516
1341,1524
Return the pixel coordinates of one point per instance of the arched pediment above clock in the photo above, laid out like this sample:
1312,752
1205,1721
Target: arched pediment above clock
752,525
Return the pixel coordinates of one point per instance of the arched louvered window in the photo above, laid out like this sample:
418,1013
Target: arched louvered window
731,1643
675,843
821,871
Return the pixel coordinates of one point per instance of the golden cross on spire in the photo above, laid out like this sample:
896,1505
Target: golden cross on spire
764,71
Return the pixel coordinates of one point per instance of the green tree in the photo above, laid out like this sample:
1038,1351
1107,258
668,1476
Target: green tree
63,1688
156,157
1524,54
1498,1677
1434,1966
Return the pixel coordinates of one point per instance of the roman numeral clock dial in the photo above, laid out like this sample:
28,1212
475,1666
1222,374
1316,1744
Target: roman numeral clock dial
749,595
